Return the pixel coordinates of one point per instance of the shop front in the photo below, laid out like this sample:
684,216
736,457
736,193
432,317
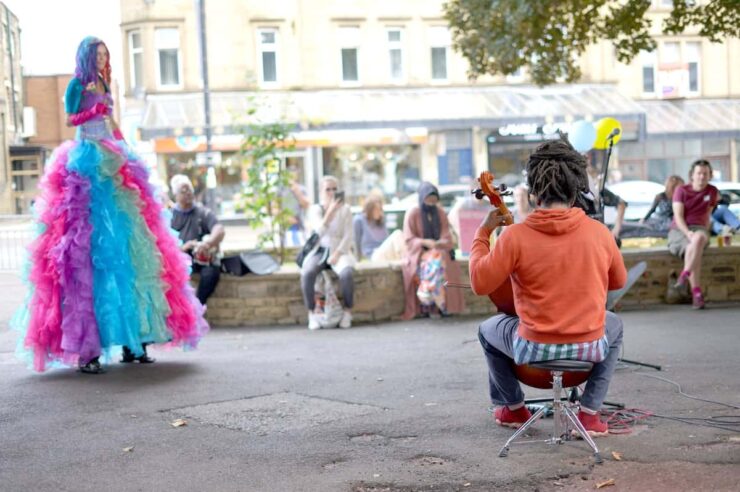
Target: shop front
680,132
380,141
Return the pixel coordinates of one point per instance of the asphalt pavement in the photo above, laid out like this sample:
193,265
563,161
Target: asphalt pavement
394,407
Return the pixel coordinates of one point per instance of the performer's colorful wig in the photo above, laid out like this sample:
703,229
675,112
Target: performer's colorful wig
87,67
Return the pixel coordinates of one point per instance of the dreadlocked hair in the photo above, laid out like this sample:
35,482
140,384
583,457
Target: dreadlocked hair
556,173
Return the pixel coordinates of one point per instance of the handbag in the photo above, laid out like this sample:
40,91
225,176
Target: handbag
308,246
256,262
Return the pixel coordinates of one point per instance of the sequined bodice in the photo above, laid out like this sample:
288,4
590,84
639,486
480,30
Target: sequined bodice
96,128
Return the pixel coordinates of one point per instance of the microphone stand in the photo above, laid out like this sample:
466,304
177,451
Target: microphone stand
601,214
604,174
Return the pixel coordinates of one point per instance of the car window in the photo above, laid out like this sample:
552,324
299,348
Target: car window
448,199
734,195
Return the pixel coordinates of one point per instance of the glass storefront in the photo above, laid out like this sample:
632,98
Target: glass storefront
508,161
393,170
656,159
228,178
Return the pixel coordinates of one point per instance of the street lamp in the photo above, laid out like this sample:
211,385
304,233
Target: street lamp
201,6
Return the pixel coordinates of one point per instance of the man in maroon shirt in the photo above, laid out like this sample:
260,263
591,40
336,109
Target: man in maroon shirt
689,234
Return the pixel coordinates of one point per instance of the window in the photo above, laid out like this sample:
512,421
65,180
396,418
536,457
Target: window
136,54
670,53
167,43
648,72
395,54
440,42
693,56
349,41
267,46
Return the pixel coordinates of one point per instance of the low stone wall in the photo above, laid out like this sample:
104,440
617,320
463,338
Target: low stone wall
720,275
276,299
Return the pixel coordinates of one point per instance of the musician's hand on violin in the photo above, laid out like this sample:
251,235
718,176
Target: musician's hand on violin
494,219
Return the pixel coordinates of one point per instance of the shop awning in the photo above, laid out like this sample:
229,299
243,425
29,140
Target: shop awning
401,108
693,118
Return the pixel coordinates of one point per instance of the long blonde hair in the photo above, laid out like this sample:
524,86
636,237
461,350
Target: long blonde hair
671,183
370,204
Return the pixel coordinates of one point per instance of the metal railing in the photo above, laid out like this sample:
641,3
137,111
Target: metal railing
16,233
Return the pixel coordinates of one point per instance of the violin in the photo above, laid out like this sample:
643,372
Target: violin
494,194
503,297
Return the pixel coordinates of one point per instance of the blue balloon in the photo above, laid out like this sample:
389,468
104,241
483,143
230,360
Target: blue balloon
582,135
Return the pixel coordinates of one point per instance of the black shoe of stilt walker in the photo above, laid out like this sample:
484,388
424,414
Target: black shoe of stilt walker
92,367
128,357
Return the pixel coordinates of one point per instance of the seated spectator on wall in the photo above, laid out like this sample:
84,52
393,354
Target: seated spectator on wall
689,234
200,233
428,262
369,227
663,205
331,219
723,218
658,219
596,199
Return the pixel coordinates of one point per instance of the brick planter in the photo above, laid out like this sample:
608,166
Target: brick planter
276,299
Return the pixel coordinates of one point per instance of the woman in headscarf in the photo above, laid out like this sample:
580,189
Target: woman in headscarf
428,261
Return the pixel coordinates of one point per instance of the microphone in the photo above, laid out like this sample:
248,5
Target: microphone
614,133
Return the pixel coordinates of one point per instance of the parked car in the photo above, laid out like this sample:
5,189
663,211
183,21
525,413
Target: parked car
639,196
448,195
730,191
395,211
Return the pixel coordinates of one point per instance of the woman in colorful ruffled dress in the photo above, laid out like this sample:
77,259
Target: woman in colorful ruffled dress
105,270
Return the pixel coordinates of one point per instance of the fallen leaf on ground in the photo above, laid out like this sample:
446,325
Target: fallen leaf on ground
179,423
466,484
617,456
128,449
606,483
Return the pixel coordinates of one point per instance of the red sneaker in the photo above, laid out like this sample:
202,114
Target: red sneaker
697,300
511,418
682,279
593,424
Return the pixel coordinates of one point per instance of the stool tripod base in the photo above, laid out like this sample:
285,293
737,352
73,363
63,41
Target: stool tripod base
566,423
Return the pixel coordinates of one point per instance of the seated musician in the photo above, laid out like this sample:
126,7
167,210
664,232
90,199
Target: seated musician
560,264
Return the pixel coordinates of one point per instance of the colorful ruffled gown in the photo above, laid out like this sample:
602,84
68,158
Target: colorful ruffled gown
105,269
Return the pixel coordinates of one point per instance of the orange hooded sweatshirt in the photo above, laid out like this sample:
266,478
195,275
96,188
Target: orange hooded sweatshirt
561,264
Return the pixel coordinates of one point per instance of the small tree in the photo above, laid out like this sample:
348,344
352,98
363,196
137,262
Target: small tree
263,148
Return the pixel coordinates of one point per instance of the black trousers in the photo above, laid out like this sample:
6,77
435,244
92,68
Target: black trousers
209,277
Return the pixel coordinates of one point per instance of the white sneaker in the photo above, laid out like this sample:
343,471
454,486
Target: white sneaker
346,321
314,322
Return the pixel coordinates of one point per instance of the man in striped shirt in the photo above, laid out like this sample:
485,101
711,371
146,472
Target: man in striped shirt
561,263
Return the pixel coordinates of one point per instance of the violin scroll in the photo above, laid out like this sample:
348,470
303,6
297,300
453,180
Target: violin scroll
494,194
